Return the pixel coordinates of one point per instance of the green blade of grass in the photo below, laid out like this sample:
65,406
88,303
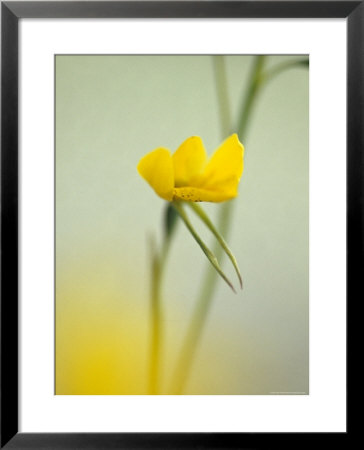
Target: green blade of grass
210,256
205,219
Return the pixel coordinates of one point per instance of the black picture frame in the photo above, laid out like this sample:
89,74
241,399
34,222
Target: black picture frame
11,12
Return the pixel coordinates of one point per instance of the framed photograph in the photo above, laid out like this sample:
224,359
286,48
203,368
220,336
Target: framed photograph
181,213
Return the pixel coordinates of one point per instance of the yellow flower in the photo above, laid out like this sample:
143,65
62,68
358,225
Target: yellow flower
188,175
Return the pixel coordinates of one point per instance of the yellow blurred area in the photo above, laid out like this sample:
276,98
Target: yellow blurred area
100,349
103,340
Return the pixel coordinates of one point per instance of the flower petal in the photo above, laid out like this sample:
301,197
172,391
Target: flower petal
194,194
224,169
189,160
157,169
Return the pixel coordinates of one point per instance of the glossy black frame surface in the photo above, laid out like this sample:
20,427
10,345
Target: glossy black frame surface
11,13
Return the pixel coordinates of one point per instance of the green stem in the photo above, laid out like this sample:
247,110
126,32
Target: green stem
279,68
222,94
204,302
197,323
254,85
158,264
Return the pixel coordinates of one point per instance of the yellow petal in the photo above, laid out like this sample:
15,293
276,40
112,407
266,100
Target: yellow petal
157,169
224,169
194,194
188,160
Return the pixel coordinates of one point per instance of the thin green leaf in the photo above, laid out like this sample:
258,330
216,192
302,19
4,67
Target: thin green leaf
210,256
205,219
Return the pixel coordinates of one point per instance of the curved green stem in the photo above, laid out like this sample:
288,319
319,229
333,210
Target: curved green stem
282,67
254,85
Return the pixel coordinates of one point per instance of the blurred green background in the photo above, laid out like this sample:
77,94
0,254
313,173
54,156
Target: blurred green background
112,110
